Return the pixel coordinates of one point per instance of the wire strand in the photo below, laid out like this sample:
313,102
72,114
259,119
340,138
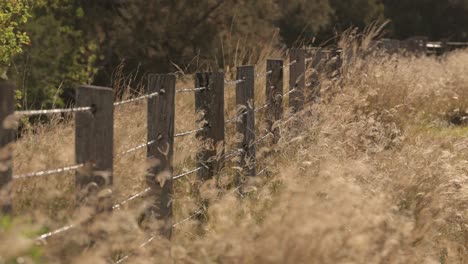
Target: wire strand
186,173
187,90
188,132
136,99
260,75
131,198
53,111
48,172
138,147
261,108
55,232
260,140
121,260
234,82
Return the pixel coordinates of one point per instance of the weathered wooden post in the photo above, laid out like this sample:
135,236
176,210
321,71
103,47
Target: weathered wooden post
318,65
209,104
7,108
274,96
246,124
94,132
297,79
161,116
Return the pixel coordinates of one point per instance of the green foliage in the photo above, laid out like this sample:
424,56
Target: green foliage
59,57
13,14
28,251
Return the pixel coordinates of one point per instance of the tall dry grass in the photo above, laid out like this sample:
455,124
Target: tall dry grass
375,173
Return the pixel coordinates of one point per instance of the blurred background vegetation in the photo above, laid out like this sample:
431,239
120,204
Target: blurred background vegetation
49,46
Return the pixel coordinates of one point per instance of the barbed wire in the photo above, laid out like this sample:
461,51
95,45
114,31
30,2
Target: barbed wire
182,134
48,172
260,140
260,75
231,120
187,90
149,143
121,260
289,64
186,173
237,190
131,198
234,82
261,108
200,211
233,153
288,93
53,111
55,232
147,96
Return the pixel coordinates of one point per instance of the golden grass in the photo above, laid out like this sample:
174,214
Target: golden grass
373,174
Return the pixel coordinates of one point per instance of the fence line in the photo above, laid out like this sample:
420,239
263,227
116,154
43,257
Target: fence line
94,130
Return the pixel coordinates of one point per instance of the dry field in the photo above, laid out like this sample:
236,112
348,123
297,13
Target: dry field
375,173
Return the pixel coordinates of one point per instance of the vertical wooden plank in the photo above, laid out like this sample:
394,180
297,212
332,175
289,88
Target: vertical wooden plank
246,125
7,108
274,98
297,79
161,116
318,65
94,135
209,103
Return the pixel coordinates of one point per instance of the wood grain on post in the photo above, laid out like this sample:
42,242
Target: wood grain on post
209,104
161,116
274,96
246,123
7,108
297,79
94,138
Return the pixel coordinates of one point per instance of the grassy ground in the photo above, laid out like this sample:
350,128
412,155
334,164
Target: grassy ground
375,173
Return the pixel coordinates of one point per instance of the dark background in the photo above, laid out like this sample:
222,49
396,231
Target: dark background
115,42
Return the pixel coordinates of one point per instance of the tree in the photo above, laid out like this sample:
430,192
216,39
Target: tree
432,18
59,56
351,14
13,14
162,31
303,19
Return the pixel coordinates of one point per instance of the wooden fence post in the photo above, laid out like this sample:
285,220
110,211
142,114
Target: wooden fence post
297,79
318,66
274,96
7,108
94,132
246,124
161,114
209,104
